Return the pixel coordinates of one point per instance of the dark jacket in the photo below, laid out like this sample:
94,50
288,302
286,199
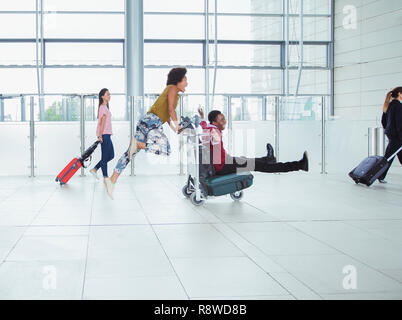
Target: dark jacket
392,120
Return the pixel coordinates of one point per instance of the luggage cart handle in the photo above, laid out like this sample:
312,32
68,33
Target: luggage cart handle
187,123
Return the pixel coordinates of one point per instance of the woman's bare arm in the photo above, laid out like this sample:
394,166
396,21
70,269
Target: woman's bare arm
171,125
172,96
102,127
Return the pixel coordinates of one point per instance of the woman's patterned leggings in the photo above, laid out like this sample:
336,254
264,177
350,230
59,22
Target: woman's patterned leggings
149,131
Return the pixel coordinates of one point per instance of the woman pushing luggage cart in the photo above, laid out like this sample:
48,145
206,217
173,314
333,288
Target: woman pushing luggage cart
149,135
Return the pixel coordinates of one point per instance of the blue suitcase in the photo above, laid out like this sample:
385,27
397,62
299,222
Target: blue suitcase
371,169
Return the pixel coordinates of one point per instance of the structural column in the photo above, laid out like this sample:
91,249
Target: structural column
323,136
134,58
23,110
278,102
82,129
331,63
206,59
1,108
32,136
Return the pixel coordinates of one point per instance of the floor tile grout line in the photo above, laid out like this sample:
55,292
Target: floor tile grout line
336,220
191,223
360,292
88,243
46,260
251,259
290,221
246,296
372,232
12,194
264,253
390,276
247,222
336,249
255,262
288,271
163,248
323,255
348,255
27,227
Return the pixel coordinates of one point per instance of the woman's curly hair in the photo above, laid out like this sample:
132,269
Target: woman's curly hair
176,75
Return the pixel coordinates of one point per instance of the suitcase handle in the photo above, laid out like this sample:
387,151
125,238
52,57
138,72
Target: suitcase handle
395,154
87,162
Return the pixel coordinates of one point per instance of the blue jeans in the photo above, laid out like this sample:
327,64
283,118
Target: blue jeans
107,154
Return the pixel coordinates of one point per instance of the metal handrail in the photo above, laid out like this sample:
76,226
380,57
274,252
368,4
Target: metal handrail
19,95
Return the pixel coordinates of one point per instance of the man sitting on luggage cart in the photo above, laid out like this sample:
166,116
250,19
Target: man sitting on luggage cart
225,164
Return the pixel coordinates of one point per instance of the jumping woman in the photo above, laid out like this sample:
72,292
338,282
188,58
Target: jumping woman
149,134
104,134
392,123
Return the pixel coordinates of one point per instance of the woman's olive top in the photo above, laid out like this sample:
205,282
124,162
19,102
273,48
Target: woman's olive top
161,106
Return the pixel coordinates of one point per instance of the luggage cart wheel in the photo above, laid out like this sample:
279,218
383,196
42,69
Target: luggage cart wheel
194,200
185,191
237,196
57,179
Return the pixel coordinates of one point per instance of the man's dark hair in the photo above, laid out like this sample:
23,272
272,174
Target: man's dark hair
213,115
176,75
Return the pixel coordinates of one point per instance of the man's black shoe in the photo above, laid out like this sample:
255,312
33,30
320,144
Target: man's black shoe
304,163
270,151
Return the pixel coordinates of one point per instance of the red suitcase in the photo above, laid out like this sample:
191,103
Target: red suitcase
76,164
69,171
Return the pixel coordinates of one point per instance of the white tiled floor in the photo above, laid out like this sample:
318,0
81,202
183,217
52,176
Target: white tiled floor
290,238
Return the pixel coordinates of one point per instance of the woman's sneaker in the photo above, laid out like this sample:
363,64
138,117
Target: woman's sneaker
94,174
382,181
109,187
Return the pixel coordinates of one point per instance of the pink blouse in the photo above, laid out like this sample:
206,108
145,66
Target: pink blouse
104,111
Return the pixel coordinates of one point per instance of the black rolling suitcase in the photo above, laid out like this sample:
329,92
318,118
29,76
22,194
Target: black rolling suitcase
371,169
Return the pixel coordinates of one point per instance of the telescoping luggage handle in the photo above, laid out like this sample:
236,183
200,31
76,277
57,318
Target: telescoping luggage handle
394,155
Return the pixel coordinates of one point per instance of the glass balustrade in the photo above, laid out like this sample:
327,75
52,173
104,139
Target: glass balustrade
64,125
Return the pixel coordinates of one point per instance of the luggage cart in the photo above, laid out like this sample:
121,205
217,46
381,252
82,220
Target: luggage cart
201,180
192,133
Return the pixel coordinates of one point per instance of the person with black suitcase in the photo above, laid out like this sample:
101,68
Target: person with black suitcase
392,123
